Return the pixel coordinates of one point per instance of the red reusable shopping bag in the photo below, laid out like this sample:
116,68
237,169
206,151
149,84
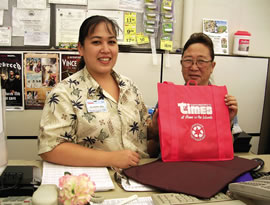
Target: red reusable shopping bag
194,123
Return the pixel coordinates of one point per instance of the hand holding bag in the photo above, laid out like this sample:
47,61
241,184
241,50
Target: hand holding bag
194,123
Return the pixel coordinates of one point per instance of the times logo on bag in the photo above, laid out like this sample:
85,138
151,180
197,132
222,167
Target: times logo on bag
196,111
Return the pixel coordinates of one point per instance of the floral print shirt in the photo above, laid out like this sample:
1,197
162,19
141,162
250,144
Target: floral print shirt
65,117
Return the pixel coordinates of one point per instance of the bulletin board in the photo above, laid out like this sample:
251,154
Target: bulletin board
55,18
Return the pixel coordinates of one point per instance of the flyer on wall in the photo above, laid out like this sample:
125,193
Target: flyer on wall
12,80
69,63
217,30
41,75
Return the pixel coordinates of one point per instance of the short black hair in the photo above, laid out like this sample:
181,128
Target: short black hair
88,27
203,39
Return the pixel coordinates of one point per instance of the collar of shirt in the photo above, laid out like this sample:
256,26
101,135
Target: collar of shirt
121,81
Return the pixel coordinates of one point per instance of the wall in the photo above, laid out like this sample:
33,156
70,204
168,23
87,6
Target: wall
249,15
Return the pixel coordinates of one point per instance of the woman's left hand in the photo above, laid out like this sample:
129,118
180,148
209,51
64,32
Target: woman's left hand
231,102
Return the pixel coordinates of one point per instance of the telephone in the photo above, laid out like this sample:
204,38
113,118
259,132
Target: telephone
46,194
258,190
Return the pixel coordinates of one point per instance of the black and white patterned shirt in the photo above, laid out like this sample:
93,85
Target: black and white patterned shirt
65,117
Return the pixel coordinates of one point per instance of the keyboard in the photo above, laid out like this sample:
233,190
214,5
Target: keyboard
178,199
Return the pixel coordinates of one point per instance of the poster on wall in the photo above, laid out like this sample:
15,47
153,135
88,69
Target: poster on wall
12,80
217,30
69,63
41,74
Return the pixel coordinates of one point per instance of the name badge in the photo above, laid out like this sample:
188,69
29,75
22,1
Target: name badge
96,106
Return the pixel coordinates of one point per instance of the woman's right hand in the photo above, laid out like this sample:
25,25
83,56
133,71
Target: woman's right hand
125,158
155,123
152,129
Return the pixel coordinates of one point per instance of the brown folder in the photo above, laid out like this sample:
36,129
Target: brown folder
200,179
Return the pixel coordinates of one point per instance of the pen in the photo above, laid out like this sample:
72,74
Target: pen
129,199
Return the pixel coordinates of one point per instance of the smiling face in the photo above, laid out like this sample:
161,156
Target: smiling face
100,50
198,52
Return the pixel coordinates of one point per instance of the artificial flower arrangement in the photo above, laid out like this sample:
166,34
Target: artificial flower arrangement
76,190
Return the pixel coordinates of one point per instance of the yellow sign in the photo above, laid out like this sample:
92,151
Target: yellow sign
166,45
130,29
142,39
130,39
130,18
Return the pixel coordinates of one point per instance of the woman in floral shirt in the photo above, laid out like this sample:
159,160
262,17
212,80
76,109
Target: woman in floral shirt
96,117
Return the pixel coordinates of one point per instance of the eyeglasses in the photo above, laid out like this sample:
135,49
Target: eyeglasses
200,63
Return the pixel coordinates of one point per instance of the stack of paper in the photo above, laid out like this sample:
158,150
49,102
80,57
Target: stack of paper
132,185
99,175
138,201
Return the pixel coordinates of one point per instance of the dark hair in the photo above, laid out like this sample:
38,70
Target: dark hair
203,39
88,27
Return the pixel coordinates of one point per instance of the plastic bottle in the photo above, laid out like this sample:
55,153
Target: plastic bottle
241,43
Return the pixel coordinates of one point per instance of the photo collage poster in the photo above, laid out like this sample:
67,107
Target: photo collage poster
41,75
12,80
217,30
69,63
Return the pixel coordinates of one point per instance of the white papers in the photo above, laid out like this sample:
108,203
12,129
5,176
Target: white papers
30,4
217,30
33,24
5,36
68,22
132,185
77,2
100,175
1,17
138,201
4,5
104,4
126,5
30,20
114,15
36,38
132,5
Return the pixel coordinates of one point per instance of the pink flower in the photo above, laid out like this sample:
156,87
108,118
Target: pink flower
76,190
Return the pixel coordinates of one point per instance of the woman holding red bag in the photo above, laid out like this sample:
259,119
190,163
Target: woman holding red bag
197,65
